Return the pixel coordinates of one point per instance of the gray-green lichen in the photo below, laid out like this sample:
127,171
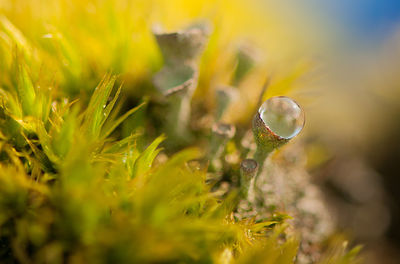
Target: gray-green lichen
178,78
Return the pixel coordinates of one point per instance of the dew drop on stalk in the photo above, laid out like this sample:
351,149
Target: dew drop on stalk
283,116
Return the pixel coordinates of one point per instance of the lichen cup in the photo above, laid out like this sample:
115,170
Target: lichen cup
277,121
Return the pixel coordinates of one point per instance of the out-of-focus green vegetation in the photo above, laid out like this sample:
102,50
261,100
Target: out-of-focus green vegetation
70,193
81,178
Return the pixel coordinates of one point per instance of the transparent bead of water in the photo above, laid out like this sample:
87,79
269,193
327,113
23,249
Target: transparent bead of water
283,116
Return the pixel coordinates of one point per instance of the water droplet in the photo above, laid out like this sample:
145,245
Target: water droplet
283,116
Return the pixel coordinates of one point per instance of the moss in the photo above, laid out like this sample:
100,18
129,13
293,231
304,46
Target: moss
82,182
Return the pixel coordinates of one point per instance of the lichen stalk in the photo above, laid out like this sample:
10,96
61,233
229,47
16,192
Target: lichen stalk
248,171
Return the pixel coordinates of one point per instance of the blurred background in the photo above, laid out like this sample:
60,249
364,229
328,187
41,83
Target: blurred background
340,59
355,115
